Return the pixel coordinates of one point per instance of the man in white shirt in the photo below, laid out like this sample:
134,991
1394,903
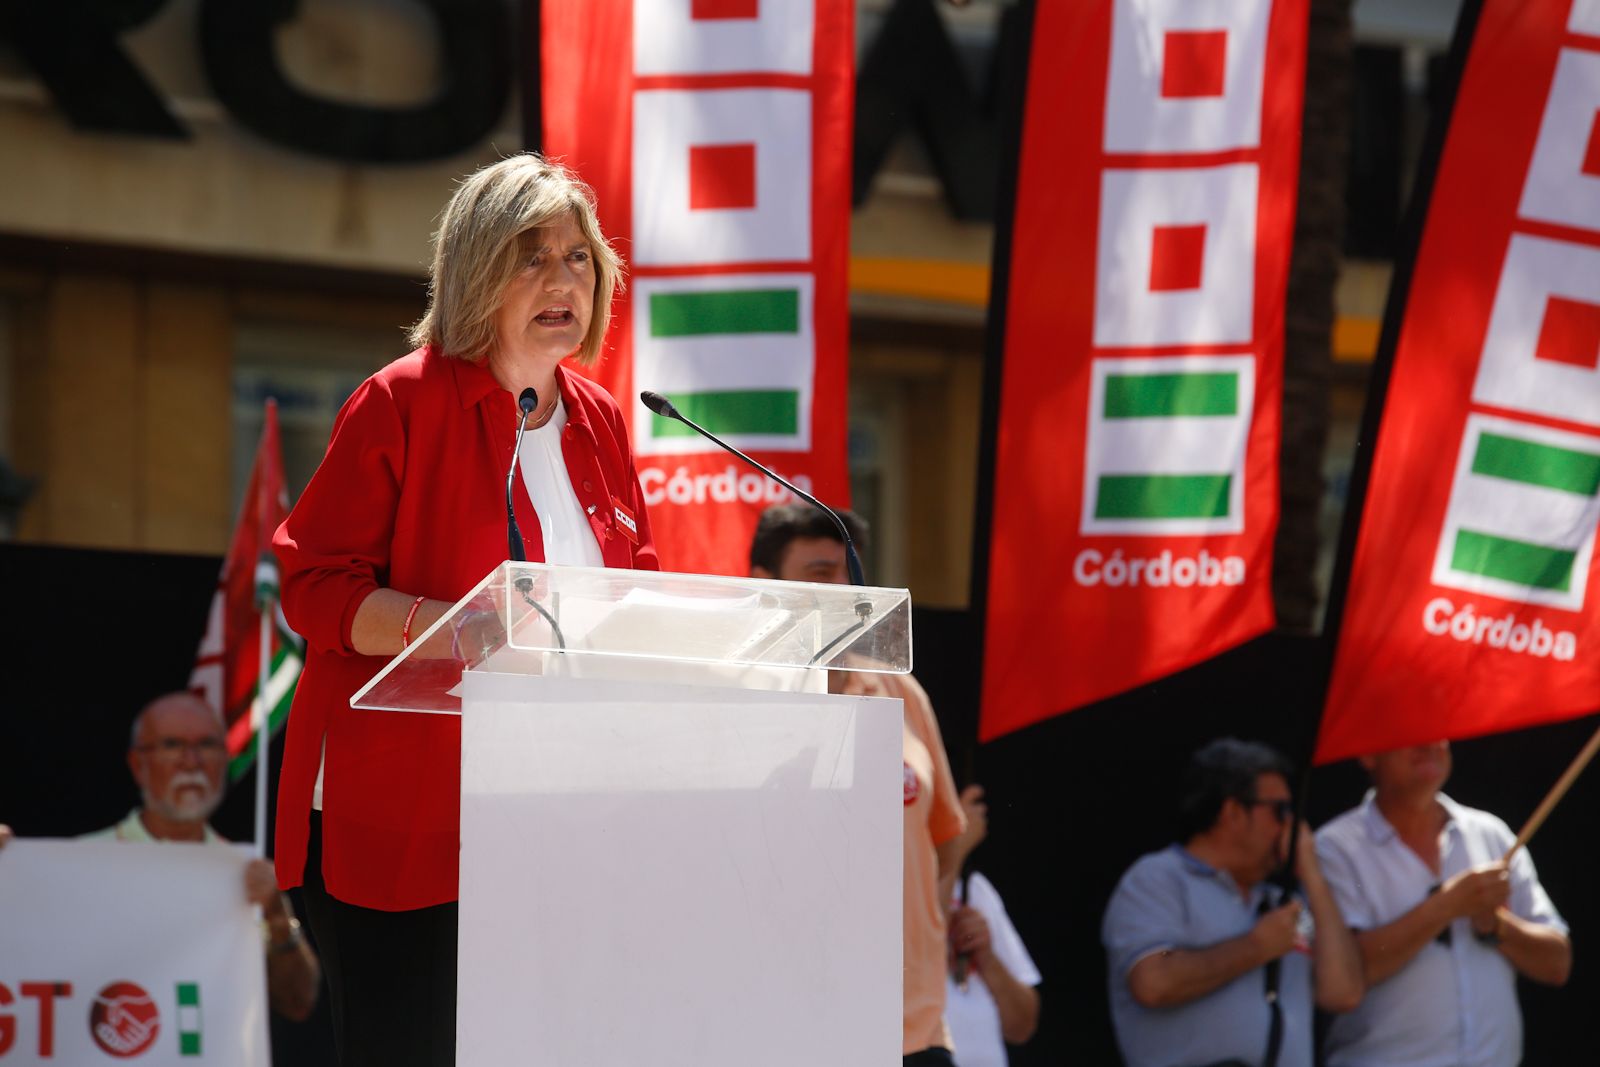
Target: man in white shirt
1443,923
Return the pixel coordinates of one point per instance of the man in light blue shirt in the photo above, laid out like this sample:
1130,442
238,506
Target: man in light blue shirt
1444,925
1190,929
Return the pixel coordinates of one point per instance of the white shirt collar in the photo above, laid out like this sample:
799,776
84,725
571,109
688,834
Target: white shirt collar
132,828
1379,828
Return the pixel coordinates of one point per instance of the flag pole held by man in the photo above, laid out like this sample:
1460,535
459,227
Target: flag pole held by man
249,659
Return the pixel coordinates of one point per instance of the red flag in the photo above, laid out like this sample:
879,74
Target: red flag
717,138
227,666
1472,598
1135,479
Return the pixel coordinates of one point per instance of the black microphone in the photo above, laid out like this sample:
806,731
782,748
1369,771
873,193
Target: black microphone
527,403
663,407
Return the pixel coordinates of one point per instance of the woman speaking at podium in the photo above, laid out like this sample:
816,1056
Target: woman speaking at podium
406,514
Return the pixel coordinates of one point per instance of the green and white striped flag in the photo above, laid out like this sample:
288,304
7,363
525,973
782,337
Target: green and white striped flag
1523,511
1166,445
735,354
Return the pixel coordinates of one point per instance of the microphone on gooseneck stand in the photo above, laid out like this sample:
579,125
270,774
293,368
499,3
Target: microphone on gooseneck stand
527,404
663,407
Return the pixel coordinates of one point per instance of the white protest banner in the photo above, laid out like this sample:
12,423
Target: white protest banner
116,951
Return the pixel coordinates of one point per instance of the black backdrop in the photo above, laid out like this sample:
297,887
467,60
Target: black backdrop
1074,800
90,636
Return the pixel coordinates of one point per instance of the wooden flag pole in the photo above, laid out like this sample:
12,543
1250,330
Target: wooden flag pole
1552,798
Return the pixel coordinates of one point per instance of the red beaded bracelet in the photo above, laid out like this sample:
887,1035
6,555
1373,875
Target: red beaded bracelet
405,631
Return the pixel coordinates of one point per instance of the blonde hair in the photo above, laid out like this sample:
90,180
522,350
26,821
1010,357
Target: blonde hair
476,252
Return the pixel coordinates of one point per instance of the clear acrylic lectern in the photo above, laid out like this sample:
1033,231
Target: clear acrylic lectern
677,846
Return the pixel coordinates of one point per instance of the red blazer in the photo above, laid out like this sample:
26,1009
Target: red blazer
411,496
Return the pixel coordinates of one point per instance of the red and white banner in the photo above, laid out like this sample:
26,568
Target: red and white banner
1472,604
716,135
1135,481
115,952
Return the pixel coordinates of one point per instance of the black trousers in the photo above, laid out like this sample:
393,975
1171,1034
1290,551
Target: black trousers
929,1057
391,975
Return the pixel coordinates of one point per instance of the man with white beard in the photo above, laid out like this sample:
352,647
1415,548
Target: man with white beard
178,754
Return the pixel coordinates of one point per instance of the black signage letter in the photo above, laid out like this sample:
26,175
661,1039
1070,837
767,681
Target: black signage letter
236,40
72,46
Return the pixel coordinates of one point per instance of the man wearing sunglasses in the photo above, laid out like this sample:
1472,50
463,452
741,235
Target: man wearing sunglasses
1444,925
1209,962
178,754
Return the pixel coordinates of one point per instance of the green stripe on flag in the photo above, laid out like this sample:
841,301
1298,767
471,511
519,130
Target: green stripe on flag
774,411
1145,396
1162,496
1537,464
1519,562
691,314
284,676
240,765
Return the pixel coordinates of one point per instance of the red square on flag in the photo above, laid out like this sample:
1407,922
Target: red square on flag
1570,333
1177,257
724,9
722,176
1591,157
1194,62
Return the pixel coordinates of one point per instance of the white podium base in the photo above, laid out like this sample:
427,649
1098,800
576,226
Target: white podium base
675,874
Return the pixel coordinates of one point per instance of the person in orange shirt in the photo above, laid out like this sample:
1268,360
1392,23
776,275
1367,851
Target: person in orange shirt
797,543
